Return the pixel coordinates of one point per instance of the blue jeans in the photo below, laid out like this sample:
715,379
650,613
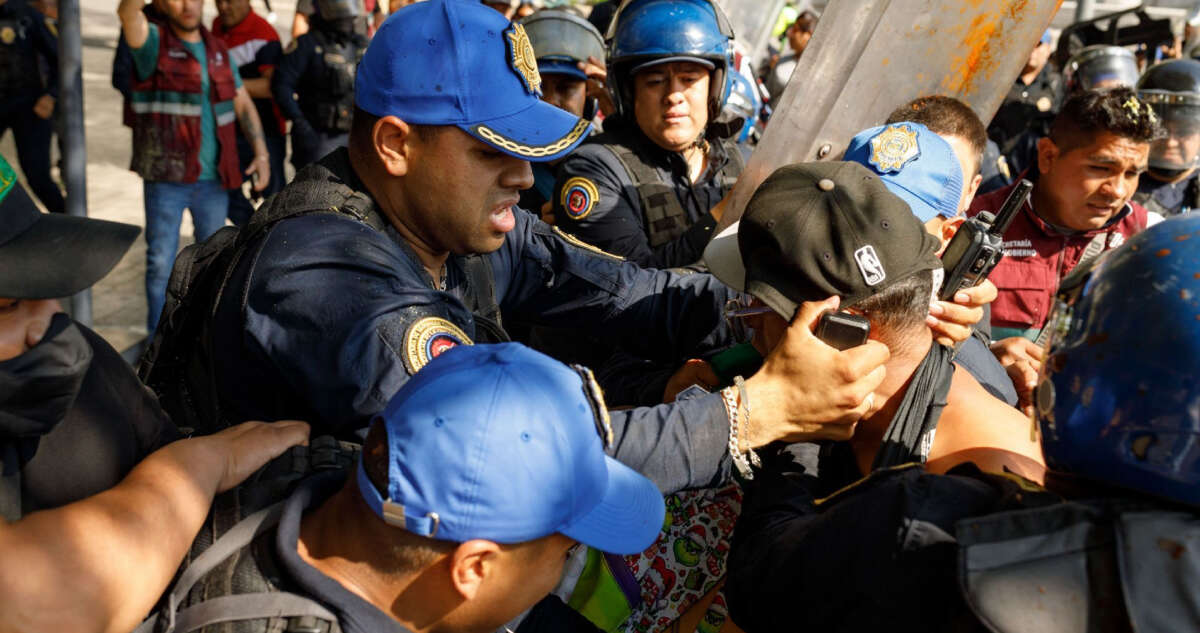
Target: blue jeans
165,202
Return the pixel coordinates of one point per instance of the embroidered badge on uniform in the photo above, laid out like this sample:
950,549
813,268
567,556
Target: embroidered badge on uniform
523,59
894,148
426,339
7,35
579,195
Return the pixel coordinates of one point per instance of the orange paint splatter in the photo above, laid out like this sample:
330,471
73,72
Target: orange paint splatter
1163,252
1183,238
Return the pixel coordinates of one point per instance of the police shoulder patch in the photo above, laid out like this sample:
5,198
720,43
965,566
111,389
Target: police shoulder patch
579,195
894,147
523,59
291,47
427,338
7,35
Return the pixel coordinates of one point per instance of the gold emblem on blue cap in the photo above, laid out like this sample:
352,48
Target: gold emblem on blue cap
523,59
893,148
426,339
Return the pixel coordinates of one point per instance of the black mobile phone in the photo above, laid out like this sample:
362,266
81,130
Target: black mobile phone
842,330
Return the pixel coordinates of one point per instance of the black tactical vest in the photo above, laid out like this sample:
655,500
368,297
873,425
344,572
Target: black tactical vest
329,104
663,215
19,75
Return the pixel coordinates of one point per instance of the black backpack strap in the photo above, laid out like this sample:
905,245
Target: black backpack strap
229,608
664,215
246,606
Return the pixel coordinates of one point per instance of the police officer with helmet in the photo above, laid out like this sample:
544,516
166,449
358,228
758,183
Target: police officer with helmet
570,54
26,102
1100,67
646,188
314,83
1170,187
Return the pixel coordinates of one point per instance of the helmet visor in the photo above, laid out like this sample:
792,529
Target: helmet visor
1180,148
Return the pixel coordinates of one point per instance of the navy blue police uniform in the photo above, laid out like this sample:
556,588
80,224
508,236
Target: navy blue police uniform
26,35
325,310
598,200
328,331
314,87
623,192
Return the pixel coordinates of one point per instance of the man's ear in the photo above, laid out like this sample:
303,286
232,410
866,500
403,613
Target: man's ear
950,226
1047,153
969,192
392,140
470,564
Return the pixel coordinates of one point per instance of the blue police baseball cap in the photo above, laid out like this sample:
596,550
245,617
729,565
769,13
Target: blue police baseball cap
455,62
503,443
915,164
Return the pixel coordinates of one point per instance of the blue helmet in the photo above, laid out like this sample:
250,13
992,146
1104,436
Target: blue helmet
1118,400
648,30
744,101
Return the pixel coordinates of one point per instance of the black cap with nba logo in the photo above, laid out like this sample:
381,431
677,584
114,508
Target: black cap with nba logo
812,230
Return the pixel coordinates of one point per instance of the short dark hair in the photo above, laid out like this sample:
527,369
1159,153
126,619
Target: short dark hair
946,116
901,306
408,552
1117,111
806,21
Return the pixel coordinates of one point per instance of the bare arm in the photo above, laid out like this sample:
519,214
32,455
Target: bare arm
133,22
299,25
247,117
977,427
259,87
117,550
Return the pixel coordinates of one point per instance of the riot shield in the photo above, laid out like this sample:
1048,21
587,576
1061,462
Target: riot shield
752,22
868,57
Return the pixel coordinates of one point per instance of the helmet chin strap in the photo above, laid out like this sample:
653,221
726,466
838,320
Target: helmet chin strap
1168,175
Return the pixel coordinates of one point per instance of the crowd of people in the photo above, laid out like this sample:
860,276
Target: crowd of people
540,391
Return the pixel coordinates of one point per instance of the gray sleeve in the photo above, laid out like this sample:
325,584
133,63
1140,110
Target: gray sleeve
677,446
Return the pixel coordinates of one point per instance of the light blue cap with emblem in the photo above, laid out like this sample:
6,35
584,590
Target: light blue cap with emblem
454,62
915,164
503,443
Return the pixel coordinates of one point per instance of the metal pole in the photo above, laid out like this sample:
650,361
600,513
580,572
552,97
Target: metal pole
70,108
1085,10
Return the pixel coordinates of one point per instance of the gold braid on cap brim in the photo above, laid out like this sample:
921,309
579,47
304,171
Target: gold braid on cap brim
527,151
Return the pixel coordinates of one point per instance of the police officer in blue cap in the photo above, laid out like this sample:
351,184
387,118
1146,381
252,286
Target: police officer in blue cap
384,255
646,188
474,485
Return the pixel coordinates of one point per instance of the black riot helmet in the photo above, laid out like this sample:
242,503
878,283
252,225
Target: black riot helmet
561,40
1172,88
1100,67
338,9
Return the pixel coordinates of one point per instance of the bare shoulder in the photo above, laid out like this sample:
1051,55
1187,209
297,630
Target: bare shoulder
976,426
